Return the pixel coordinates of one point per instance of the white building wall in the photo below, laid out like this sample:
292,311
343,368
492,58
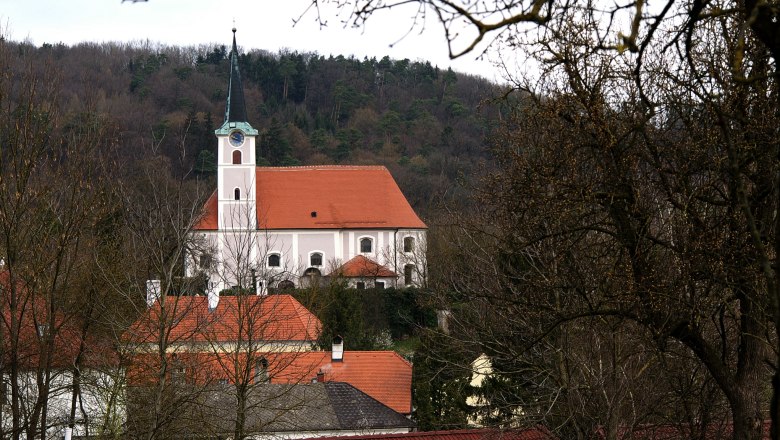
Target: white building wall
102,399
295,248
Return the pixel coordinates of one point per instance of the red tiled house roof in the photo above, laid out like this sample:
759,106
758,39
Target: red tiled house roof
355,197
362,267
32,318
383,375
537,433
682,431
250,317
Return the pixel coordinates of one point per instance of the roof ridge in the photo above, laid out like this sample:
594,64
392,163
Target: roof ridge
324,167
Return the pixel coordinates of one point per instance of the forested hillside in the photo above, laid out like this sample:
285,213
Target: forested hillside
428,126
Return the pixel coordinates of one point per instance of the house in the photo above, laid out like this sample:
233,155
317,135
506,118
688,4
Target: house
283,227
53,367
207,341
277,411
362,272
256,339
383,375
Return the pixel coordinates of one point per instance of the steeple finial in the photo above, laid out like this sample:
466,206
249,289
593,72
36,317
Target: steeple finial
235,110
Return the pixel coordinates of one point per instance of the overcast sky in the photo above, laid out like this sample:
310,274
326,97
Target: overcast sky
261,24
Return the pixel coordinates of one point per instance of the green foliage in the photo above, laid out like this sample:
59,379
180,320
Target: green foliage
216,56
207,164
366,111
439,390
144,67
342,315
274,147
365,317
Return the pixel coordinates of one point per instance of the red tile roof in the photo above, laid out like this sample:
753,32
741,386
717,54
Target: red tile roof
538,433
362,267
383,375
325,197
208,220
263,318
681,431
31,311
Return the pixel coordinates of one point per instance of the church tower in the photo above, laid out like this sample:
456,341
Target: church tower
236,192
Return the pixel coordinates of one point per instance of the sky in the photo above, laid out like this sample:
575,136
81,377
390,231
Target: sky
261,24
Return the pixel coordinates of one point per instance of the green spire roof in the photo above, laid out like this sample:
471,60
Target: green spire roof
235,110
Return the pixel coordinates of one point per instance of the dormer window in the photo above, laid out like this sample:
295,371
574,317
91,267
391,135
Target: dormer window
366,245
43,330
261,370
237,157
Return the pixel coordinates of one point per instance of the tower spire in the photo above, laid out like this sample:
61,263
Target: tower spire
235,109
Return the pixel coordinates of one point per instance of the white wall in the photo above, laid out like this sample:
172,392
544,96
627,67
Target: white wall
102,398
234,249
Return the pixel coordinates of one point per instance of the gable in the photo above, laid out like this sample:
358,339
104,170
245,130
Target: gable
363,267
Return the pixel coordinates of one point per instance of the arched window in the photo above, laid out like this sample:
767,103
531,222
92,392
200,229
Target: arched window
286,285
315,259
237,157
237,194
312,272
274,260
408,244
366,245
408,272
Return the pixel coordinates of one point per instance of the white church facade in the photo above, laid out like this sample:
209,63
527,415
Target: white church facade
283,227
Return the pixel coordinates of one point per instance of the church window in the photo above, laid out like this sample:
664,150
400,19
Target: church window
379,285
274,260
408,272
205,261
315,259
360,285
408,244
237,157
237,194
366,245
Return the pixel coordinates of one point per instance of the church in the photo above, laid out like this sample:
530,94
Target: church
284,227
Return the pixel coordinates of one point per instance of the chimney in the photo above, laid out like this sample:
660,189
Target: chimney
320,376
152,292
337,352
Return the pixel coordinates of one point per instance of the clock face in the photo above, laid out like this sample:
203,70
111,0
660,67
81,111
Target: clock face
236,138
